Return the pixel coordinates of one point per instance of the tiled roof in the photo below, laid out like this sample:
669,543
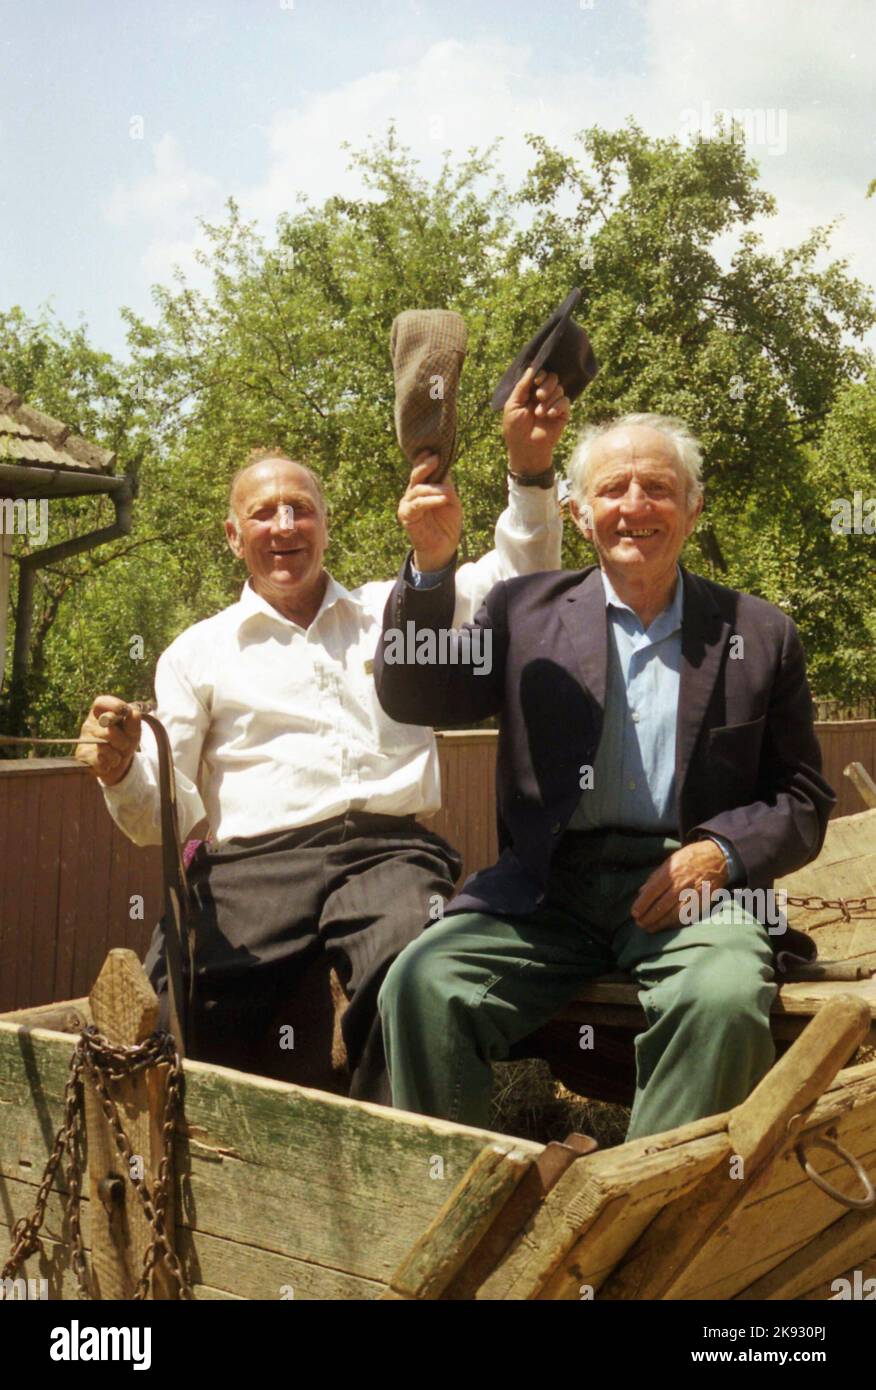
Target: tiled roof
33,438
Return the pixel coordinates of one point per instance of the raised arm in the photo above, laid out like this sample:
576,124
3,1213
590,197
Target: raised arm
529,532
427,672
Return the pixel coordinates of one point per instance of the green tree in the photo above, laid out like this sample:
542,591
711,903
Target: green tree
751,349
57,370
758,352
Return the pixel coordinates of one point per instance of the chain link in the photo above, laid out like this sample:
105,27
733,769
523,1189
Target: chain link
103,1062
846,906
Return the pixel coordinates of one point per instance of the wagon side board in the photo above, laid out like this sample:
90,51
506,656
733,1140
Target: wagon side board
288,1193
679,1215
283,1192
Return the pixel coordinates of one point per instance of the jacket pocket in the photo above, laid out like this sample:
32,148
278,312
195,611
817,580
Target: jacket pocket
737,746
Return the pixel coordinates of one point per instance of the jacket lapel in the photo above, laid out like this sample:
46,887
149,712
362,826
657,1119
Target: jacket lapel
704,633
585,619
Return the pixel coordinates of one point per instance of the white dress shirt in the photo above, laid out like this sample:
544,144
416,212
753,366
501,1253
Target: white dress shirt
274,726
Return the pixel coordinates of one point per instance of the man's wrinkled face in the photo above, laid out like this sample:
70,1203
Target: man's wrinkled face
281,532
639,516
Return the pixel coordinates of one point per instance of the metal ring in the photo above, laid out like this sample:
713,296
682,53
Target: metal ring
823,1142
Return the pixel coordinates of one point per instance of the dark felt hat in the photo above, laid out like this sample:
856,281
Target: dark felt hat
560,346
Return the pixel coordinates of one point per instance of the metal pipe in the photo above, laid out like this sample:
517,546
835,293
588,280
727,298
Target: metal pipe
123,497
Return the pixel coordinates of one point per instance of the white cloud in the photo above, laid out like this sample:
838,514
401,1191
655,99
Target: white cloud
166,203
171,195
801,74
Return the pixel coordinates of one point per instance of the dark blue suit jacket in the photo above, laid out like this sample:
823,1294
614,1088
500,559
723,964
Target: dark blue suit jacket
748,763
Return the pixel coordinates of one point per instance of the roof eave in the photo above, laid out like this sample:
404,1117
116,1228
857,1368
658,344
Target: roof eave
48,480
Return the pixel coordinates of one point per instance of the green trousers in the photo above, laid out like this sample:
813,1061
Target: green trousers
472,985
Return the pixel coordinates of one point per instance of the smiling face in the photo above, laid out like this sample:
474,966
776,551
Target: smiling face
637,493
280,531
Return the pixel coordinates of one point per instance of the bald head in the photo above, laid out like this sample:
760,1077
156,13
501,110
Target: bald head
271,463
277,526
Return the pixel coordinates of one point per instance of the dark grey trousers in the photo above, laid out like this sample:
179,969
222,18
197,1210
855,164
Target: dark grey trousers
346,894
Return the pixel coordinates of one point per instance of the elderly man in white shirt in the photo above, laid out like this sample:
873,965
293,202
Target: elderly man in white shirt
317,868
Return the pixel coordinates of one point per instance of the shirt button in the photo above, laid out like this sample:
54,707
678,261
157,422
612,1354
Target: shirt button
556,828
636,716
632,786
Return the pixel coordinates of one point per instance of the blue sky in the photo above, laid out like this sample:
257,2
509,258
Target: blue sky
120,123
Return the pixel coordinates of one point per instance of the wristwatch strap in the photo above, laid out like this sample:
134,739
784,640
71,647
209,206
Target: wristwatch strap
543,480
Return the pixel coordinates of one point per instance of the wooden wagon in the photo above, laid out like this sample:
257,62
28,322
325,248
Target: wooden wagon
277,1191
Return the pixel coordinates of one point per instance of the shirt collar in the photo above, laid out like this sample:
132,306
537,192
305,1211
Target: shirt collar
252,605
666,622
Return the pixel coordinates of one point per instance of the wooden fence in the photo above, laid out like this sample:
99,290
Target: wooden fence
70,881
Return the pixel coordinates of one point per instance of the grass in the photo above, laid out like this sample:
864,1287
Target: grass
530,1104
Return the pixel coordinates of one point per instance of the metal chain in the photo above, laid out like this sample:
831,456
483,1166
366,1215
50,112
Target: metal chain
844,905
104,1062
26,1231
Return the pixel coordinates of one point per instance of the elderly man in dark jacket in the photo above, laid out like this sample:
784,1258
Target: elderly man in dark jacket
656,746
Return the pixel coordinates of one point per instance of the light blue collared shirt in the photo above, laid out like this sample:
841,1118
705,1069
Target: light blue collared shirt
634,773
427,579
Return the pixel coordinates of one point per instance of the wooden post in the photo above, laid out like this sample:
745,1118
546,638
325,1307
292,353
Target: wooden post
124,1008
662,1263
862,782
470,1210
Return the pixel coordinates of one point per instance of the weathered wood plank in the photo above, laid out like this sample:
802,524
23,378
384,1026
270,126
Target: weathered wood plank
70,791
62,1285
555,1239
125,1010
846,1242
7,904
45,927
97,902
26,872
263,1206
665,1261
800,1000
846,867
302,1172
67,1017
305,1175
237,1270
862,782
828,1290
219,1268
473,1205
789,1211
543,1174
779,1222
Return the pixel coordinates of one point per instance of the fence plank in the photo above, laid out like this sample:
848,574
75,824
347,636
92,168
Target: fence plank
71,789
26,868
46,886
842,742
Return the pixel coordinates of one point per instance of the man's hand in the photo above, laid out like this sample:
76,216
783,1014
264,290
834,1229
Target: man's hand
657,906
431,513
532,424
110,759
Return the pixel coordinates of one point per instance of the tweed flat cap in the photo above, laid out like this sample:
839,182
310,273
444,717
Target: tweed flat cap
560,346
428,350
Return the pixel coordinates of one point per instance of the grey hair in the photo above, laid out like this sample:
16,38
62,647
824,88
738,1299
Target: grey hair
686,446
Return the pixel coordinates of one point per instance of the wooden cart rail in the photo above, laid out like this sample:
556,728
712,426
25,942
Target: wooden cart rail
282,1192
